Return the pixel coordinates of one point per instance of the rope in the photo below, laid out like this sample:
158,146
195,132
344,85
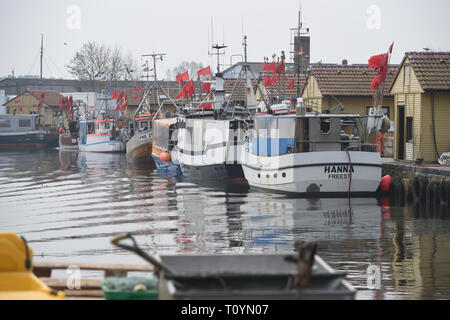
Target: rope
350,170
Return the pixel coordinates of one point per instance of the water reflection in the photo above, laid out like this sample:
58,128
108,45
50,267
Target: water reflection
69,206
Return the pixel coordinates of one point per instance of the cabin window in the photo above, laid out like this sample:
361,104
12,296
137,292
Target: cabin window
144,126
325,125
55,113
106,125
407,72
26,123
5,123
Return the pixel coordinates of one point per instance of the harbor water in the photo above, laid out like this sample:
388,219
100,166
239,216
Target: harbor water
69,205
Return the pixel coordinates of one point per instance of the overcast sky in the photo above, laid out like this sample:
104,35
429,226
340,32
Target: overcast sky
340,29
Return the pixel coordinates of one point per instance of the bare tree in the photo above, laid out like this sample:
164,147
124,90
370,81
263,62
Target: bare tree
191,67
94,58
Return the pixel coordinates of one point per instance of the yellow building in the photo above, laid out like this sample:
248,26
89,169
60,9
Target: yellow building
329,85
45,103
422,106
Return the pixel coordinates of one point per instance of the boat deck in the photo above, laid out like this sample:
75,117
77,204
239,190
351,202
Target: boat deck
90,289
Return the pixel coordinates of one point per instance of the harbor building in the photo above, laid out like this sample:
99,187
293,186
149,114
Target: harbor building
421,91
45,103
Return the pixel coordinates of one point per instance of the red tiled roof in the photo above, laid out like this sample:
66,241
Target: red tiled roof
50,98
348,80
432,69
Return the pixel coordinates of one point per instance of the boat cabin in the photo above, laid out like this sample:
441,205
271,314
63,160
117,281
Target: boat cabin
279,135
97,127
164,138
16,123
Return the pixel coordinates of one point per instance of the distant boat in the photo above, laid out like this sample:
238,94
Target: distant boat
68,140
100,135
24,131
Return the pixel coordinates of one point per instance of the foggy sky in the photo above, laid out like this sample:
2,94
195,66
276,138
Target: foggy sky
180,29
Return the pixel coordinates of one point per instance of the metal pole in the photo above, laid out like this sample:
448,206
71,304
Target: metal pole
42,54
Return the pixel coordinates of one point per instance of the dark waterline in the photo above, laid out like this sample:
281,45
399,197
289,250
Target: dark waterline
69,206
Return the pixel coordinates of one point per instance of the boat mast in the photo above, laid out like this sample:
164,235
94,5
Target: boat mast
42,54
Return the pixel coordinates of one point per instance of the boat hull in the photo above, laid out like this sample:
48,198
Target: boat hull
139,148
68,142
316,173
211,149
25,140
109,146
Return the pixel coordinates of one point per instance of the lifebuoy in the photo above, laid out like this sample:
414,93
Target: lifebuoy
432,194
444,192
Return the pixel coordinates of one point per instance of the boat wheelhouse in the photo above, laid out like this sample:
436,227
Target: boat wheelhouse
68,140
100,135
311,154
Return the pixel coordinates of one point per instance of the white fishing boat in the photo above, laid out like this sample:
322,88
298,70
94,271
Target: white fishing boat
210,142
311,154
100,135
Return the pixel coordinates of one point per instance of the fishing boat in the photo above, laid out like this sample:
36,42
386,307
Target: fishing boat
100,135
210,141
23,131
164,144
139,146
311,154
68,139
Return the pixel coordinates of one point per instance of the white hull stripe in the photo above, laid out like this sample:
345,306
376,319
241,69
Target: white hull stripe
315,165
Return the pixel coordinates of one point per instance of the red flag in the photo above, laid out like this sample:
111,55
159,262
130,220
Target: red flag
391,47
20,108
378,62
138,89
182,77
42,95
205,71
60,104
267,81
117,108
70,102
206,87
265,66
114,94
379,79
190,88
17,101
291,84
180,94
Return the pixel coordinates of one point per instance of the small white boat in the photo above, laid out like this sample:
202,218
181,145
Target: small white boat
311,154
100,135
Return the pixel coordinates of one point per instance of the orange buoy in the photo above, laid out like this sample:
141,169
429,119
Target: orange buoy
385,183
165,157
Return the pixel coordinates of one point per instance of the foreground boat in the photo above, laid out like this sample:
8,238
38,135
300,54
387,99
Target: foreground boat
252,276
311,154
24,132
17,281
100,135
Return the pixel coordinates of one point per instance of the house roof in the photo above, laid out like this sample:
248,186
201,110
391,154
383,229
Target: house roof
348,80
432,69
50,98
